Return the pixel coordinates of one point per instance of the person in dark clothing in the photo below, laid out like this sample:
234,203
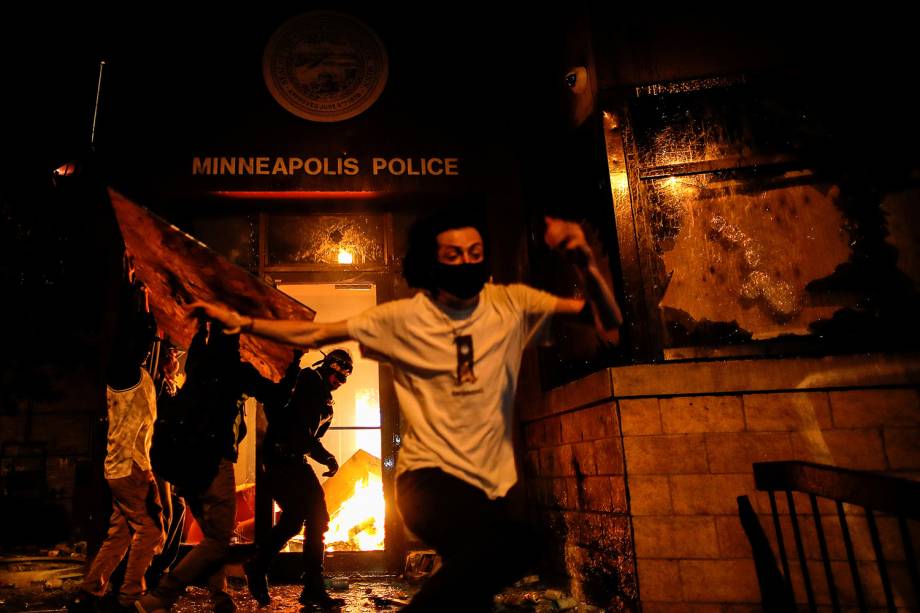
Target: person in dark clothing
456,350
294,433
216,388
173,504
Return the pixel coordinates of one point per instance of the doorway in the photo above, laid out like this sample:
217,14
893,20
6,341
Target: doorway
354,496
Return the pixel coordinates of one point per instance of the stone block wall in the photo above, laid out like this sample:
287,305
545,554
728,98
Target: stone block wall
688,434
576,487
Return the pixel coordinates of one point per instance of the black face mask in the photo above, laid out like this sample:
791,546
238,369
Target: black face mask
462,280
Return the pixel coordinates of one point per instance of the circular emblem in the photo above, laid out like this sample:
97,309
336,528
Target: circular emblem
325,66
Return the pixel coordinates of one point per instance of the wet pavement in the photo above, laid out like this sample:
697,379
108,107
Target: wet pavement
362,594
384,593
27,586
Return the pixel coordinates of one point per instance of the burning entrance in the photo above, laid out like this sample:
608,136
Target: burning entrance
354,496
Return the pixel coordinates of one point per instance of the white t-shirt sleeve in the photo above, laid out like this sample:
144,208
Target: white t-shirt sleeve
536,305
374,330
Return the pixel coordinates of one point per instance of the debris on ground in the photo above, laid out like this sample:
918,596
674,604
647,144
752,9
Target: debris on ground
368,593
529,594
528,580
382,602
337,583
421,564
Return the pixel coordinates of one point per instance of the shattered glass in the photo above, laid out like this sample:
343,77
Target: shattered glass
767,216
740,251
325,239
714,120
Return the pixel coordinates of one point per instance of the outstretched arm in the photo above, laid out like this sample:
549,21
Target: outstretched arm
569,238
290,331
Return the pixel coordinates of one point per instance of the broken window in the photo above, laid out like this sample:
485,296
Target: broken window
741,251
762,222
326,241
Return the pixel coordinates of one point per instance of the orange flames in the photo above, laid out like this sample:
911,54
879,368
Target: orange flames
358,523
354,497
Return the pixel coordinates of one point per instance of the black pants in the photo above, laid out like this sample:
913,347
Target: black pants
482,548
174,518
294,486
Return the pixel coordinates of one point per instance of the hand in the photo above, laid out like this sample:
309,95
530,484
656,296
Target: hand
146,293
333,467
231,320
569,238
129,267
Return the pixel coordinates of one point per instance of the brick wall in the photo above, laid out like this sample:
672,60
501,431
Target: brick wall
576,487
689,434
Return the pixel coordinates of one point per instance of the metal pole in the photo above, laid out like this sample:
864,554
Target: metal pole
92,136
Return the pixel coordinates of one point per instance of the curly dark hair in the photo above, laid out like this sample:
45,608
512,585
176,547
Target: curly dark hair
422,248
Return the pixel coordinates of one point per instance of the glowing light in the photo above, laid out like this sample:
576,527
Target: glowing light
619,182
681,188
65,170
326,237
611,121
367,413
358,524
296,195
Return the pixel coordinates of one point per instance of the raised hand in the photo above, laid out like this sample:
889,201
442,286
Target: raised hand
568,238
231,320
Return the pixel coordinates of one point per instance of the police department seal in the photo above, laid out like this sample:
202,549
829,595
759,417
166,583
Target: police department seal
325,66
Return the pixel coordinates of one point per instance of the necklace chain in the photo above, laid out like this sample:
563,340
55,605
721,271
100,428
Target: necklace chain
454,330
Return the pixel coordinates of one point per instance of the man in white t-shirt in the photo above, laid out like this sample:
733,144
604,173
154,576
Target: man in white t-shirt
456,351
135,525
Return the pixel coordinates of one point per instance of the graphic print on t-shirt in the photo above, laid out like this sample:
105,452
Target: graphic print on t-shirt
465,359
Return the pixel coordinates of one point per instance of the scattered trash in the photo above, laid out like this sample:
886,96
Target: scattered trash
382,602
63,548
420,564
53,583
566,603
338,583
528,580
25,572
43,583
518,598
